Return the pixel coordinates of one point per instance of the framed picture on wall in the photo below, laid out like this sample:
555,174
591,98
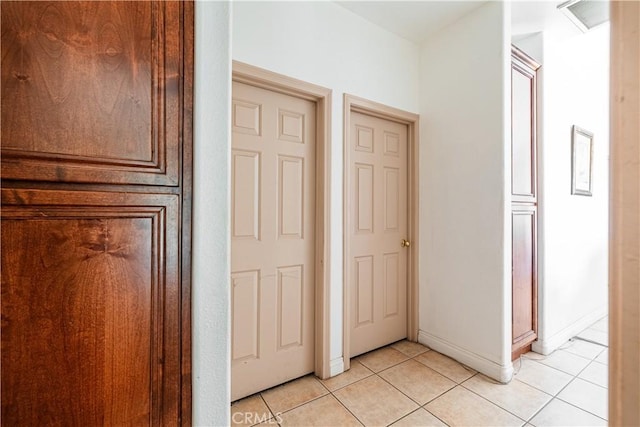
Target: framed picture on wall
582,161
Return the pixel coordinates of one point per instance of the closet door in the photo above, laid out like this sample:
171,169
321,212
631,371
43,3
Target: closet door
96,195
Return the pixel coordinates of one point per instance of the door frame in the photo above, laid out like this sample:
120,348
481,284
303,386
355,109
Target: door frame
259,77
360,105
624,304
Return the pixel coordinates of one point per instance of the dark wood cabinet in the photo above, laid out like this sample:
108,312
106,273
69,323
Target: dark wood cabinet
92,91
96,196
524,276
524,202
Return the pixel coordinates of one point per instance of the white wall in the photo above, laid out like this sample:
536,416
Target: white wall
465,307
325,44
212,151
573,235
463,100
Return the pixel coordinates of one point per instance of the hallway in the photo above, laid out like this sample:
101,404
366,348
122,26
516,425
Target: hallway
407,384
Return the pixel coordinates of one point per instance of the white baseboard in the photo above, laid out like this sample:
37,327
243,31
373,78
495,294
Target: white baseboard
336,367
547,346
472,360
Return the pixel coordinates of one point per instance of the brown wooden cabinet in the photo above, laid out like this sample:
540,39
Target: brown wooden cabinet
524,202
96,196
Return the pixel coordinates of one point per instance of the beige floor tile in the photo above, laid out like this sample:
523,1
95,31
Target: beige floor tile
249,411
419,418
582,348
446,366
516,397
417,381
566,362
383,358
325,411
596,373
585,395
357,372
604,357
560,414
374,402
409,348
292,394
460,407
540,376
595,335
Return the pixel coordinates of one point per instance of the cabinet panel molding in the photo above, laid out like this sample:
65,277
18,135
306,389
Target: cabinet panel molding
92,91
91,296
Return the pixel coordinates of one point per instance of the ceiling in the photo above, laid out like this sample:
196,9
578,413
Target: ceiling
412,20
417,20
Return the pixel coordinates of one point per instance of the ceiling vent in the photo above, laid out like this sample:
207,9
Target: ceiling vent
586,14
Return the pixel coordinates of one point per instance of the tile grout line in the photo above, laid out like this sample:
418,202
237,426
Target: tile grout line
345,406
496,404
371,373
582,409
422,406
354,382
555,396
377,374
273,415
300,405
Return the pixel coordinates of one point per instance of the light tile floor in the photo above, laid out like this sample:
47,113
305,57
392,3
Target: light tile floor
407,384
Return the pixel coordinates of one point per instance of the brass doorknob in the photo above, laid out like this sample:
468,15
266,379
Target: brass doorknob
405,243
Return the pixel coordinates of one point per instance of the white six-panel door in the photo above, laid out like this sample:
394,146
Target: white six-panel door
272,238
377,209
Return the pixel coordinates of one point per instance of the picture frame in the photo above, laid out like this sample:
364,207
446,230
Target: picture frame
581,162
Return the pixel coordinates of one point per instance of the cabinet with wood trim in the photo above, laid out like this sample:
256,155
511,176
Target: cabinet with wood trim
524,202
96,196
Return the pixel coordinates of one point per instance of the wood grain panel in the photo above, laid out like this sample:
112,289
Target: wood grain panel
90,308
524,276
523,201
95,91
522,134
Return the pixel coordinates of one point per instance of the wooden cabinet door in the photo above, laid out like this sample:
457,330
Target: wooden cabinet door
524,202
524,277
91,91
96,175
90,308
